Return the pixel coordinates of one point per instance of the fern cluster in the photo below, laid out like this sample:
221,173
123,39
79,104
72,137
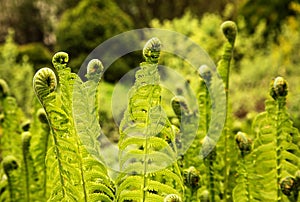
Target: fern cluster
58,156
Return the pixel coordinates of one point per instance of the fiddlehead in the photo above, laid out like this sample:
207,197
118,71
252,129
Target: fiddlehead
60,60
44,83
191,178
172,198
10,167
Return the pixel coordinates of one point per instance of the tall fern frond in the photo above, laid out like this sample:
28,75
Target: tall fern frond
40,144
229,29
275,147
31,188
245,186
98,183
10,140
62,171
146,161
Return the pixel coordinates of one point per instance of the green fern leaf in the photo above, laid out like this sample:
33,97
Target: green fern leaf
147,139
275,151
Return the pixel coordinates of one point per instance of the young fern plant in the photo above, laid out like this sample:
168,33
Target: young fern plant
276,146
79,175
99,186
10,139
245,187
148,167
11,191
229,29
39,147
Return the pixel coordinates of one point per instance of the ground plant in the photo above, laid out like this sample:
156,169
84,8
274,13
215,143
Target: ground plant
56,156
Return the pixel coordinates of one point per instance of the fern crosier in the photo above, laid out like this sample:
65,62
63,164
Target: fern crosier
147,146
11,170
99,186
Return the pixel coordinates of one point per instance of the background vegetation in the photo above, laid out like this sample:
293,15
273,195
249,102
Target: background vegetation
267,45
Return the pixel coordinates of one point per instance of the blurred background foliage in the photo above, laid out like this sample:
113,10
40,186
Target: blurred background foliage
268,43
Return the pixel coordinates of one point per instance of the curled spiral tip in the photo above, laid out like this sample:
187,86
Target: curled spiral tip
205,72
279,87
191,177
42,116
44,82
287,185
4,89
26,137
151,50
26,125
60,58
229,29
172,198
9,164
95,66
244,142
180,106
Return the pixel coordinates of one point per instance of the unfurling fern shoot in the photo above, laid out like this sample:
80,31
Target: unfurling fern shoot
244,187
276,147
229,29
147,146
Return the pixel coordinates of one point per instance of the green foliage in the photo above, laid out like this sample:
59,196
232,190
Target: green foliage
92,23
58,157
37,54
16,73
265,173
147,138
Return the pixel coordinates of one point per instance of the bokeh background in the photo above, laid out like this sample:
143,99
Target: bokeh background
268,43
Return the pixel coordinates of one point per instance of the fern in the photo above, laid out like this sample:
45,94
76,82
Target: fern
230,31
31,188
245,187
147,138
45,84
10,141
275,147
39,149
12,173
99,185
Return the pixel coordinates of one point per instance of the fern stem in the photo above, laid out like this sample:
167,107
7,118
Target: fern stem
25,150
60,167
229,30
82,172
280,106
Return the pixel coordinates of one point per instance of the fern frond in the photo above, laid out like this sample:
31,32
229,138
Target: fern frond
10,139
85,114
276,152
12,172
147,139
39,149
31,178
63,137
